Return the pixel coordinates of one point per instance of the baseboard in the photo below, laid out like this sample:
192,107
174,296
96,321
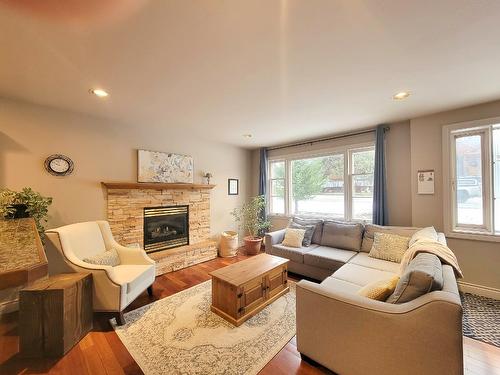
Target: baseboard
480,290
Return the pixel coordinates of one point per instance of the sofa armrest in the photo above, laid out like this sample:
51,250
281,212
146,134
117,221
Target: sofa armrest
130,255
273,238
337,329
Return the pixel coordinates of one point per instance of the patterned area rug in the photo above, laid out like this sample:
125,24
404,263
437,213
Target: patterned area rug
481,320
180,335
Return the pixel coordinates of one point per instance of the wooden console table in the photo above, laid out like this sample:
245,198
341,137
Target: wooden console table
241,290
55,314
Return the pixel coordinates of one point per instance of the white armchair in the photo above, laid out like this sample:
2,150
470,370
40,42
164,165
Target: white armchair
114,287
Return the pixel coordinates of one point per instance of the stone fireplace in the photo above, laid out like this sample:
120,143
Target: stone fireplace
170,221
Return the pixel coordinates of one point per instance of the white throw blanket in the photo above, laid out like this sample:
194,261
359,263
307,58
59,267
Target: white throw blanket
443,252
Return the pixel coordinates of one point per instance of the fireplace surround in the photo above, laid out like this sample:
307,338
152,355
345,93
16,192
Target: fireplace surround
165,227
125,210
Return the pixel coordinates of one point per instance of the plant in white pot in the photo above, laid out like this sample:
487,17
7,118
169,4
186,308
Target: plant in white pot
250,218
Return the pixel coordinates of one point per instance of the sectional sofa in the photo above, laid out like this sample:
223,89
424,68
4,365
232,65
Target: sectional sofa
351,334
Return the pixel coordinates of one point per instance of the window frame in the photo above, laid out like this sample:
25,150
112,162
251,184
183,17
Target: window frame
486,231
270,186
350,195
345,150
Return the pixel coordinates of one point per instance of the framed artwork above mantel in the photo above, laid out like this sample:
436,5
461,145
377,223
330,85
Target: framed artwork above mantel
156,166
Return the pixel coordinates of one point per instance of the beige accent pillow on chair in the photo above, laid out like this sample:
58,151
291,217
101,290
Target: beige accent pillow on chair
389,247
293,237
379,290
107,258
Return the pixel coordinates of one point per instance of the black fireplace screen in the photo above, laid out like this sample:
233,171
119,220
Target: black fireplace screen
165,227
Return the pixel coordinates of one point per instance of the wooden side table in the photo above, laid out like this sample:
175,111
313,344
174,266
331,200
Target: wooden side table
54,314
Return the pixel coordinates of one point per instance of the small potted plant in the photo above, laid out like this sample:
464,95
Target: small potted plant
25,203
250,217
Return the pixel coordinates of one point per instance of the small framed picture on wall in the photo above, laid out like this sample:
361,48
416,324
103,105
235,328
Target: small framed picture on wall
233,186
425,182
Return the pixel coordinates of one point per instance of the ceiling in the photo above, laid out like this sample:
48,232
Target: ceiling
279,70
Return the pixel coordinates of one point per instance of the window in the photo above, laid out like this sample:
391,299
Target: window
277,187
337,184
362,167
472,178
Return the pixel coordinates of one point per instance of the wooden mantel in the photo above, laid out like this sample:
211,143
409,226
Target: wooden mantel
155,185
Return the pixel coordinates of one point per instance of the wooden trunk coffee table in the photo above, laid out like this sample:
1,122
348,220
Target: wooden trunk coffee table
241,290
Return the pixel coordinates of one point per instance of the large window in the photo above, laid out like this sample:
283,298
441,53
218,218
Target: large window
472,178
338,184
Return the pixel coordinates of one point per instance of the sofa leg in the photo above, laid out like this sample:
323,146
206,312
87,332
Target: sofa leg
307,359
120,319
150,290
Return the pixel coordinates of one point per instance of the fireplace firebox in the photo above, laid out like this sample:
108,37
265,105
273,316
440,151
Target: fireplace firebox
165,227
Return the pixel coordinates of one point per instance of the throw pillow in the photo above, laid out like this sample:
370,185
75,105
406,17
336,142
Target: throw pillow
318,226
389,247
424,274
107,258
293,237
309,230
380,289
428,233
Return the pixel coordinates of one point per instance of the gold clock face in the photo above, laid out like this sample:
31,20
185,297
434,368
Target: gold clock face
59,165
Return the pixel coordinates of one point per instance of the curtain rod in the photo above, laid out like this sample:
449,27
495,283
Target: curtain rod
311,142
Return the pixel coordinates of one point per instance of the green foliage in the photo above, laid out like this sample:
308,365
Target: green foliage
250,218
308,178
37,205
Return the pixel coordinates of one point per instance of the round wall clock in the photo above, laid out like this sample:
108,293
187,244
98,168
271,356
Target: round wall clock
59,165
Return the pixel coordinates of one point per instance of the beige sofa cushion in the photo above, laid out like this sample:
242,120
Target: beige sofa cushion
370,230
424,274
318,224
333,284
362,259
360,275
292,253
293,237
342,235
328,257
388,246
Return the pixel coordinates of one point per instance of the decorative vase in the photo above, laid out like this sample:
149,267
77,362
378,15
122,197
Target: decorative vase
253,244
19,213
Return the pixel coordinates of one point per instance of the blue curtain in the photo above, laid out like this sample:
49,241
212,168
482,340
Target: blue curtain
380,214
263,171
263,176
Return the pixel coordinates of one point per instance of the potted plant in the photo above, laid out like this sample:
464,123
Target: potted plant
25,203
250,217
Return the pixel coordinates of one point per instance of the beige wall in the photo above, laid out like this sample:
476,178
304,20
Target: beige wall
398,163
104,151
479,260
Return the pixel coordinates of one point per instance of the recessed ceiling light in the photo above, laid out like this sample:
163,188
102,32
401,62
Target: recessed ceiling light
401,95
247,135
99,92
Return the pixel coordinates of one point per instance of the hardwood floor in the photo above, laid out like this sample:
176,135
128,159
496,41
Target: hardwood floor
102,352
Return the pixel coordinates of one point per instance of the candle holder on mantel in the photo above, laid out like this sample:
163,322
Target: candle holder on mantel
208,176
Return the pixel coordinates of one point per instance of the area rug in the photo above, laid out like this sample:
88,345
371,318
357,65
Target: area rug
481,319
180,335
